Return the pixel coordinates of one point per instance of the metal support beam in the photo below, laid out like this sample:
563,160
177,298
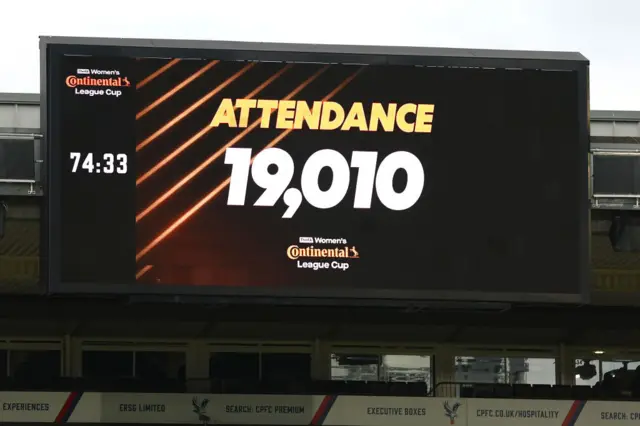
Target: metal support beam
12,188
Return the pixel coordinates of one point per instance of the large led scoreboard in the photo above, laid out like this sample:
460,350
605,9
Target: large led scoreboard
270,170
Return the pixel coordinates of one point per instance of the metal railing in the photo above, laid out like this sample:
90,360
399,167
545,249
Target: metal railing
532,391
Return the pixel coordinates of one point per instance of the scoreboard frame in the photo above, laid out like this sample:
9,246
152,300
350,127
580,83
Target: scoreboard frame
52,48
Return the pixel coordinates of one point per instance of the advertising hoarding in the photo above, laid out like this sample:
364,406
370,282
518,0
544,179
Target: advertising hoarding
338,410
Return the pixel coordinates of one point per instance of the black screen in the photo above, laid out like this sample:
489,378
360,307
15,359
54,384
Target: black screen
410,180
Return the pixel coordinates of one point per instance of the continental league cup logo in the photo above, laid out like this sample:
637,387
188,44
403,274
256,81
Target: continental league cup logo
200,409
451,411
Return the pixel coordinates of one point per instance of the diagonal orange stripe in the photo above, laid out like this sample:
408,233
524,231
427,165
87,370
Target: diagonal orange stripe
166,160
143,271
214,193
331,94
156,73
193,107
182,182
176,89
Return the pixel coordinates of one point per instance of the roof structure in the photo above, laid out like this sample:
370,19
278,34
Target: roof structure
434,56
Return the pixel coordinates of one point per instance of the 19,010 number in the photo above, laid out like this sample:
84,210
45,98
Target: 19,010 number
275,184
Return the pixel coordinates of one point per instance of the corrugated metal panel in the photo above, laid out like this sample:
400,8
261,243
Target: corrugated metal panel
600,115
603,257
20,98
17,159
17,118
616,175
616,129
21,238
20,257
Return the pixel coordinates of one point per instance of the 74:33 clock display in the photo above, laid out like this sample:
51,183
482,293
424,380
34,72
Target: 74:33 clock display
107,163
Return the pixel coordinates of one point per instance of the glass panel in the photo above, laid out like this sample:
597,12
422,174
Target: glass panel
532,371
618,365
107,364
355,367
481,369
34,365
160,365
406,368
286,366
622,374
587,372
234,365
512,370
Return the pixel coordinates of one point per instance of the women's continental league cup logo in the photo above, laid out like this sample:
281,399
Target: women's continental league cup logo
451,411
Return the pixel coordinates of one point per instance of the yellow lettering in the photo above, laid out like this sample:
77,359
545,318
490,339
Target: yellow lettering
286,113
267,106
329,109
327,115
355,118
385,118
224,114
245,106
311,116
401,117
424,118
